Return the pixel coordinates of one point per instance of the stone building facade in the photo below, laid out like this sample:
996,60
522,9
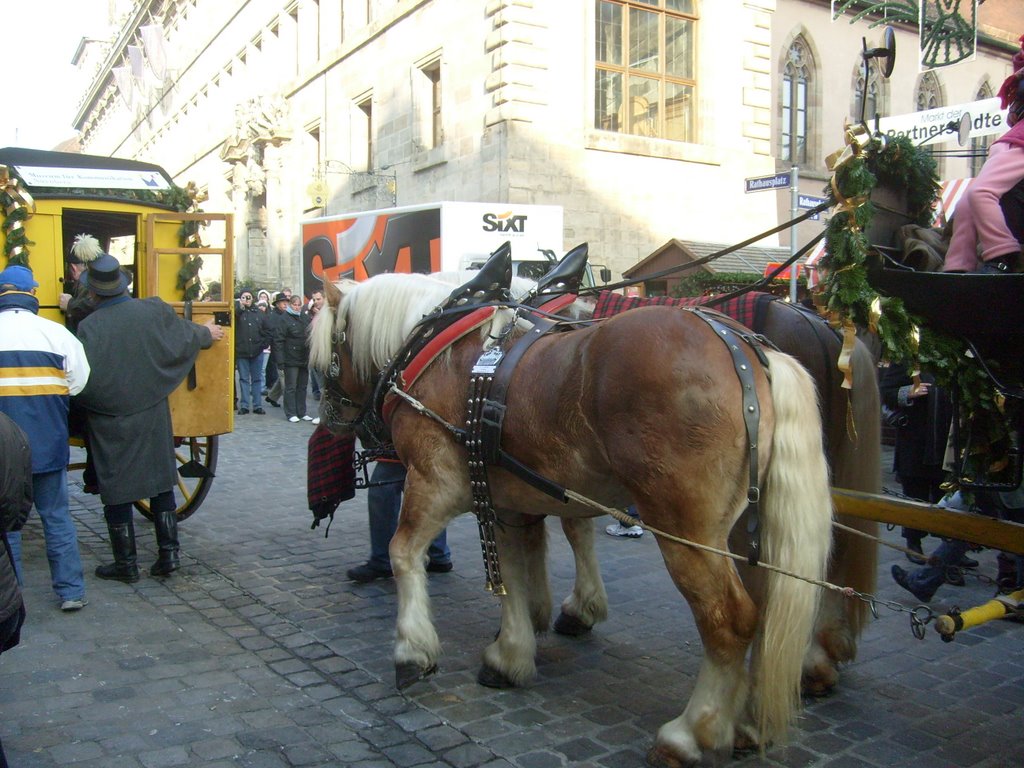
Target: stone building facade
642,118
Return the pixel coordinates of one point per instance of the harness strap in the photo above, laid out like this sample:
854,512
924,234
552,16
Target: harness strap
751,418
438,344
493,413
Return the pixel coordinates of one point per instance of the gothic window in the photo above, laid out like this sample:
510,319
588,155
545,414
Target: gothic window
929,96
645,67
797,73
867,97
980,144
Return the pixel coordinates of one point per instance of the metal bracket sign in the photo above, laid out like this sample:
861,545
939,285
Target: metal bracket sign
761,183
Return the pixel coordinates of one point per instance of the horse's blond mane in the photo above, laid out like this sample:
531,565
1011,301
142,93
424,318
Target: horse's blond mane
377,316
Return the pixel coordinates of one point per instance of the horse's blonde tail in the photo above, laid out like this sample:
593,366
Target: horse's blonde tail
795,529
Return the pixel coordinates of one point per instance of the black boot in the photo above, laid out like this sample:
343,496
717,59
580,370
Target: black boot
122,541
166,523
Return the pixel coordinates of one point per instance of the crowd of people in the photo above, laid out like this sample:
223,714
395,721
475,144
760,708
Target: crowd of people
271,354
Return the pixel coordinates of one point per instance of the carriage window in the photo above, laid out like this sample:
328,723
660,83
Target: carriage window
645,78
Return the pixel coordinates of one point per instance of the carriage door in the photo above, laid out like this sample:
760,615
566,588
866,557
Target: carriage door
198,281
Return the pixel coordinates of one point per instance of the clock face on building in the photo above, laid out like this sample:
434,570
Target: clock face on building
317,193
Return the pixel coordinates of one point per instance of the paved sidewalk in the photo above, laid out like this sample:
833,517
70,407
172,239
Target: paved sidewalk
260,653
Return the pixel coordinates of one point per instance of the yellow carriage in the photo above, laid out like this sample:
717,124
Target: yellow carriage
156,231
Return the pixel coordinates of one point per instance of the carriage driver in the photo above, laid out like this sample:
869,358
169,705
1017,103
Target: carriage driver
140,351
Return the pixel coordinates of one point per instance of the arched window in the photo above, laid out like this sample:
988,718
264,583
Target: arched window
868,98
929,92
796,89
929,96
980,145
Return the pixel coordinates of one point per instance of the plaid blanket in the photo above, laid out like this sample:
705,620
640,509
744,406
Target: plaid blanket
330,473
748,309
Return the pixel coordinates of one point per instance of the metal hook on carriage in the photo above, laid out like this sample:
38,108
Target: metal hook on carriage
920,617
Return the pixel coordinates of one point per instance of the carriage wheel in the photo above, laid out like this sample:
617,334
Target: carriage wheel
197,462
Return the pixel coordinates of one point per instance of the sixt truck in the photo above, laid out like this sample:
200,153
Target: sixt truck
436,237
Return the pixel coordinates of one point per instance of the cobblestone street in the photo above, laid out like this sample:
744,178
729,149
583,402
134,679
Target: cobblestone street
260,653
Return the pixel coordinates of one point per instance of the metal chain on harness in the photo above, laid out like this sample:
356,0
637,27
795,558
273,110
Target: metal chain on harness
482,376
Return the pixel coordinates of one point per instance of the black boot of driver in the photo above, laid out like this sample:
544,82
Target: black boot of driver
165,520
122,542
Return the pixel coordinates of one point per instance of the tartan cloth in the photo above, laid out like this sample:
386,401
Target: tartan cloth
748,309
330,473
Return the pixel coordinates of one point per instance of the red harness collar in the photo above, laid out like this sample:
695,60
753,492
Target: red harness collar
557,304
426,356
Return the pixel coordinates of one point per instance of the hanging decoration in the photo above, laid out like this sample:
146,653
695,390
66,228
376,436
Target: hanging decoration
18,207
947,29
189,281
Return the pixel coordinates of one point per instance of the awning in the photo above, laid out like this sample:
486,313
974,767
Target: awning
811,263
950,193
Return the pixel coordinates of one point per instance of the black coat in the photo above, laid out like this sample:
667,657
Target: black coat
15,503
140,351
925,422
252,334
290,348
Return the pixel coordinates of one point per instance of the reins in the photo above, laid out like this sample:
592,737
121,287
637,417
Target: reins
725,252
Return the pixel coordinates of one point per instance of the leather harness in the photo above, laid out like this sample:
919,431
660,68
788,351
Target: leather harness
489,383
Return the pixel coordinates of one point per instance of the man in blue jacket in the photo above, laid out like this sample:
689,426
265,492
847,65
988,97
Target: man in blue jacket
41,365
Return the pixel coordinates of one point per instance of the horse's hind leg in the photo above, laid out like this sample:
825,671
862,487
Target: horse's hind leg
526,606
727,620
587,604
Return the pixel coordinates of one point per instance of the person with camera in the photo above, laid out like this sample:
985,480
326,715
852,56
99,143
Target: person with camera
921,413
251,337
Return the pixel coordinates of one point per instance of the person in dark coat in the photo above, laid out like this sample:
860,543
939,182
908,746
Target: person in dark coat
75,302
251,337
291,353
15,503
921,413
275,374
141,351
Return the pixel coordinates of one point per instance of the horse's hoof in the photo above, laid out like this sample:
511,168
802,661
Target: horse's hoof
570,626
492,678
408,673
660,757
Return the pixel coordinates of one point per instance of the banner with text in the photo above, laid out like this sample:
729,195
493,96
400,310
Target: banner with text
940,125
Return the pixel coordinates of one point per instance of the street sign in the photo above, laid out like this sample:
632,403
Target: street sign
807,202
761,183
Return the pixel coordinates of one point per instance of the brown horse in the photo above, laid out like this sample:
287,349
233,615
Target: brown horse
850,417
646,407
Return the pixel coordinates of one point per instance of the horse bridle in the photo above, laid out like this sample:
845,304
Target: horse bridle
335,398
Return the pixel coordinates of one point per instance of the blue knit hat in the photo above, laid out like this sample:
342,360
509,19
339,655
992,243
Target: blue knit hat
17,278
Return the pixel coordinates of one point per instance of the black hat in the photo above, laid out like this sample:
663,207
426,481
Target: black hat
104,277
280,297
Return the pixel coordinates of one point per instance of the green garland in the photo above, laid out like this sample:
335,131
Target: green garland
189,283
846,295
16,242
